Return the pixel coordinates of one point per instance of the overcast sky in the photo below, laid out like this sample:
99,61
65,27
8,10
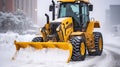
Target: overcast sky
98,13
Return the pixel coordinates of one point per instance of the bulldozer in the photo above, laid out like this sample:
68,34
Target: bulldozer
71,30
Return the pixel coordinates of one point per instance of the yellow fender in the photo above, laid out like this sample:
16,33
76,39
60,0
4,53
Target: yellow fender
92,25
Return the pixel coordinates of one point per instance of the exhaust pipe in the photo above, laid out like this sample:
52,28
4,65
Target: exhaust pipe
47,18
53,11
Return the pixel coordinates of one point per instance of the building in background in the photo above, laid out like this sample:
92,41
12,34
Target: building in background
113,15
7,5
113,18
29,7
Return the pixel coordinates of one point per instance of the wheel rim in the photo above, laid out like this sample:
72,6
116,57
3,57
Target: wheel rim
100,44
82,49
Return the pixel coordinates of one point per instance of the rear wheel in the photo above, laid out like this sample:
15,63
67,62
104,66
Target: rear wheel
98,41
37,39
79,48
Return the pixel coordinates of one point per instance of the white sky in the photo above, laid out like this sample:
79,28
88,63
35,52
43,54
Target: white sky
98,13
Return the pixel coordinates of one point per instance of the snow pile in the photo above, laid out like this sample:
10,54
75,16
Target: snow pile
7,39
16,22
28,55
7,47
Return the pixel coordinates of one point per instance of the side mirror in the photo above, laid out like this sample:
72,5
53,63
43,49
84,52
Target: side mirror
51,8
90,7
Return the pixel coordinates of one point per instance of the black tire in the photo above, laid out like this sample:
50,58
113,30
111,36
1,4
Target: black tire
37,39
98,39
76,43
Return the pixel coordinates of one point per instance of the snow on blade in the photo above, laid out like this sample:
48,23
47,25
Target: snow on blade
42,56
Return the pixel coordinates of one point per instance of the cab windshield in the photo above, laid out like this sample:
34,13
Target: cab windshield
70,10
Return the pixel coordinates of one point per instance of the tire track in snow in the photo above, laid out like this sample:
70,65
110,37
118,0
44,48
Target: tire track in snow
95,61
117,59
107,61
115,51
113,48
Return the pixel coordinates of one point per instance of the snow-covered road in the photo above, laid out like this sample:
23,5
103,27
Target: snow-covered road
109,58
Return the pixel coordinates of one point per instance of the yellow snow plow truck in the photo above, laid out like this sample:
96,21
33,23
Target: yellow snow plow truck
72,30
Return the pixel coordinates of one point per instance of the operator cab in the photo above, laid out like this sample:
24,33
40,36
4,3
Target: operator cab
78,11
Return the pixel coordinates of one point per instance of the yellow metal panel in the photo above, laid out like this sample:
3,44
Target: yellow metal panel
70,52
60,35
87,1
40,45
66,0
90,27
76,33
47,26
96,24
66,27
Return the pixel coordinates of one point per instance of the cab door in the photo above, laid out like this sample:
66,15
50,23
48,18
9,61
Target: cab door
85,16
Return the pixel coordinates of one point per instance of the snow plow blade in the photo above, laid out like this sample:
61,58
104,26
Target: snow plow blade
41,45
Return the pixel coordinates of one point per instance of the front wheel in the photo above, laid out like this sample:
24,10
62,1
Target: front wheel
79,48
